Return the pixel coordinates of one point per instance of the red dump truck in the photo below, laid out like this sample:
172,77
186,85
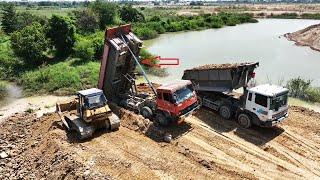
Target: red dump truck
168,104
264,105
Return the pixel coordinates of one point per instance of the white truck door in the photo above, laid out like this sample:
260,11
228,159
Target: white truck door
260,106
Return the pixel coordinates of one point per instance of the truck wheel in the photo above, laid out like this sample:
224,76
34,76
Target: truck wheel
162,120
225,112
146,112
244,121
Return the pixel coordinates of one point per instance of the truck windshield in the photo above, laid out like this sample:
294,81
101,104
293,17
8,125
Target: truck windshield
278,101
95,101
182,94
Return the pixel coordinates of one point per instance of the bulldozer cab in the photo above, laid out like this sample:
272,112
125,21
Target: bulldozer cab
90,99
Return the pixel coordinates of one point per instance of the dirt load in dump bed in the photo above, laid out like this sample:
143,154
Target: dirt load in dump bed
309,36
220,66
204,147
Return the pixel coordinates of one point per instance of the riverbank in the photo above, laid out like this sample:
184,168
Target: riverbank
309,36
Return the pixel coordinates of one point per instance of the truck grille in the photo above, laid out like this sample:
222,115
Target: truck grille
279,115
190,108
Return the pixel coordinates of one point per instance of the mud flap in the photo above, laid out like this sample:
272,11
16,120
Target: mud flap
114,122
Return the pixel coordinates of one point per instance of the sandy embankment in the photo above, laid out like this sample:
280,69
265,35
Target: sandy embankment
309,36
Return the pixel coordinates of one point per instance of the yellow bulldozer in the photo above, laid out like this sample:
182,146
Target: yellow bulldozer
86,113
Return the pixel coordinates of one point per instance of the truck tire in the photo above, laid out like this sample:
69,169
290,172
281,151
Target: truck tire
146,112
244,120
225,112
162,119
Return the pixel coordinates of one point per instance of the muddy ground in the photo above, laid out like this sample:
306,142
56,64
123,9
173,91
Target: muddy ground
310,36
204,147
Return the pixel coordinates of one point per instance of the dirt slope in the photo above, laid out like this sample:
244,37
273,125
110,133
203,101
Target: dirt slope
309,36
205,147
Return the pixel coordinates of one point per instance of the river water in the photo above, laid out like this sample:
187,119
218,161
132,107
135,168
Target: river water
279,58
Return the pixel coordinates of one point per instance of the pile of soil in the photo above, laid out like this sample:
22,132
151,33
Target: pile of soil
145,88
309,36
33,150
204,147
220,66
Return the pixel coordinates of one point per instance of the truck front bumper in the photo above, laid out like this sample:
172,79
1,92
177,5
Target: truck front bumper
189,111
271,123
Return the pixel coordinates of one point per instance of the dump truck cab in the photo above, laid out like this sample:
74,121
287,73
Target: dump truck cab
269,103
177,98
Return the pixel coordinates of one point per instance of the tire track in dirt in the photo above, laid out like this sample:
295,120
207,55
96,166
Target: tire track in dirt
252,149
251,162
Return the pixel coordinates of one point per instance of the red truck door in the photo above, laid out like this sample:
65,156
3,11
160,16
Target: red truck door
165,102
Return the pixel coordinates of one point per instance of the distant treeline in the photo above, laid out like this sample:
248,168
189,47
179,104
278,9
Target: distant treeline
295,16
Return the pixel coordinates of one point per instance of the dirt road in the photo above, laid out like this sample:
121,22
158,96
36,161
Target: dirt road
205,147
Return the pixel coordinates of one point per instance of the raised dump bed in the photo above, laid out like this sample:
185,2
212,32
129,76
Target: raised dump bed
220,77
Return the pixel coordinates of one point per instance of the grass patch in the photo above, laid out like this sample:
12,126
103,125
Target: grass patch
62,78
46,11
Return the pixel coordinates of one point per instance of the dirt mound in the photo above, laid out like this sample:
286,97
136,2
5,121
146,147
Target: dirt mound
204,147
34,150
309,36
305,111
145,88
220,66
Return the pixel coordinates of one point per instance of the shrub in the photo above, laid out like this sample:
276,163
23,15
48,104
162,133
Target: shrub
30,43
145,33
86,21
232,21
157,26
310,16
144,54
8,61
26,19
107,12
313,94
298,87
174,27
302,89
62,33
84,50
9,18
155,18
129,14
97,40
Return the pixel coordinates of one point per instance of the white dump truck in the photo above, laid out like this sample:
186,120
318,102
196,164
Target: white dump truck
263,105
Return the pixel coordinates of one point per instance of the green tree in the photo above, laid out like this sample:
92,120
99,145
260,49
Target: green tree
86,21
129,14
26,19
9,18
107,12
84,50
62,33
30,43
